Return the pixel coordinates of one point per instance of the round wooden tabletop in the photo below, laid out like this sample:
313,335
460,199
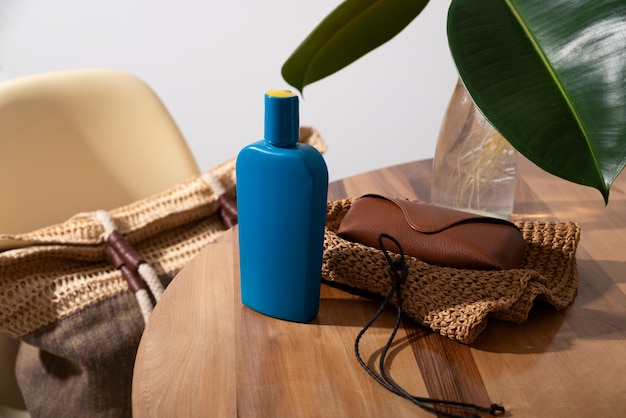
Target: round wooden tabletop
204,354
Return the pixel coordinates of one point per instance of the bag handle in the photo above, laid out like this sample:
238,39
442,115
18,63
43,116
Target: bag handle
135,270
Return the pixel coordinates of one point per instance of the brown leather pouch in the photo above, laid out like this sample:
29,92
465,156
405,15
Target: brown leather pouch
435,235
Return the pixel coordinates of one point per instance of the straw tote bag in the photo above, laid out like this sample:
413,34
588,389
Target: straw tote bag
77,294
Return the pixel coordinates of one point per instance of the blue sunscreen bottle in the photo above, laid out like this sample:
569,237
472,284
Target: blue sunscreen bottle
282,190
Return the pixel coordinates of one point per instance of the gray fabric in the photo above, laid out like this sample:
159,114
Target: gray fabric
82,365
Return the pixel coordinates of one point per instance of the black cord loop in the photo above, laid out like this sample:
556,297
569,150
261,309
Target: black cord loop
398,271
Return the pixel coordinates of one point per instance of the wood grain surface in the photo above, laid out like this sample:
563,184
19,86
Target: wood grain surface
203,354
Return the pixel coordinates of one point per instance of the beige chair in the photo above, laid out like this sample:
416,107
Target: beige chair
75,141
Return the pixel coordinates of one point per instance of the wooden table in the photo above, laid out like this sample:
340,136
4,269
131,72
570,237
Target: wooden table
205,355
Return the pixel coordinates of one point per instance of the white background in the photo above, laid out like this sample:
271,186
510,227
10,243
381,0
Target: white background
211,63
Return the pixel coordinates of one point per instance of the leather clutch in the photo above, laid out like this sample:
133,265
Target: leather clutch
434,234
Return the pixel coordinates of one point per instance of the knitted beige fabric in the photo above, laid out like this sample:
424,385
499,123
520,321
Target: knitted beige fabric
53,272
454,302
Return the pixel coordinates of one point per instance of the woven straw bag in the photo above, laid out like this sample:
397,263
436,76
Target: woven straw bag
63,297
455,302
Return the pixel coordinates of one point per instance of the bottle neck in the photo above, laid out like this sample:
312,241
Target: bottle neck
282,122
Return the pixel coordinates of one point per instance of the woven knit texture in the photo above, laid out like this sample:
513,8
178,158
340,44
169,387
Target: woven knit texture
56,271
457,303
63,268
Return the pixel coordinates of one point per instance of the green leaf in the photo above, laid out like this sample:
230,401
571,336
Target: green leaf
551,77
350,31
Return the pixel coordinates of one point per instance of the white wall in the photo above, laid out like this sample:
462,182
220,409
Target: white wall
212,61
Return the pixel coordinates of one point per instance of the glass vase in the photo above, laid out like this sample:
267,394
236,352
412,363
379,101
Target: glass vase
474,167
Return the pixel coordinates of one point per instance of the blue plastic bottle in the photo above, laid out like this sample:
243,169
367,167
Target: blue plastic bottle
282,190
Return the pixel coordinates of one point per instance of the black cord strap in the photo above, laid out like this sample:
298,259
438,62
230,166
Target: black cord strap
398,271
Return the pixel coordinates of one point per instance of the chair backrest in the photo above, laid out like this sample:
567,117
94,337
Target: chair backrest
76,141
82,140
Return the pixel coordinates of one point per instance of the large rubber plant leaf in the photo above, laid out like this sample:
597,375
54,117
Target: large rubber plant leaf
550,75
353,29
